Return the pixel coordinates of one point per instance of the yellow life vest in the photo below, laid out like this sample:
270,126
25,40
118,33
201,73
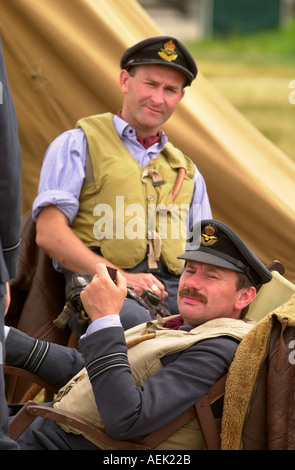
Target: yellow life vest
124,208
145,360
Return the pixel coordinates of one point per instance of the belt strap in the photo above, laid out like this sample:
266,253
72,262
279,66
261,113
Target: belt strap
155,246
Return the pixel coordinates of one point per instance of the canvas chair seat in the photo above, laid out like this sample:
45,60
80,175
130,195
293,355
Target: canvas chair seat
270,296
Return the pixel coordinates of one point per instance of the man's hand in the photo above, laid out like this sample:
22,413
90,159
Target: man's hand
102,296
56,237
146,281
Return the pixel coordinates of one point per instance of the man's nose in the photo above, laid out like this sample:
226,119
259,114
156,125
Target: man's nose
158,96
195,281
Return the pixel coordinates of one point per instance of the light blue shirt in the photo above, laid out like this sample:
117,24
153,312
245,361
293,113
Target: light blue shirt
104,322
63,171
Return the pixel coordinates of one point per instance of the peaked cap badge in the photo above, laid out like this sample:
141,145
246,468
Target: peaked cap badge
168,53
208,238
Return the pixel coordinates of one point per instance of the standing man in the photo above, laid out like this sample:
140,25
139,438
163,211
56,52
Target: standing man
10,224
117,186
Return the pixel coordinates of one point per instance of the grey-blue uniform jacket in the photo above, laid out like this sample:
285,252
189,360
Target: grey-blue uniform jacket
185,377
10,220
10,183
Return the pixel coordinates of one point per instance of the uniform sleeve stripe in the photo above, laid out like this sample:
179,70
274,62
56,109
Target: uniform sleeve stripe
36,356
94,375
104,363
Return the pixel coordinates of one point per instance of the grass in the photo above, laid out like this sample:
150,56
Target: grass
254,72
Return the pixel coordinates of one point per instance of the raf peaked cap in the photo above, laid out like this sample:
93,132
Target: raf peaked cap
220,246
161,50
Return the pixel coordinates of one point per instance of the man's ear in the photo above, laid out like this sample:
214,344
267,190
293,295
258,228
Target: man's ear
182,94
123,80
246,296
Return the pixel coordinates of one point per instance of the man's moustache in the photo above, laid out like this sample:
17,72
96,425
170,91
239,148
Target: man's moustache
191,292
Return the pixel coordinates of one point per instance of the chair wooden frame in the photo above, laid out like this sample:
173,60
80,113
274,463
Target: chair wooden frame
201,410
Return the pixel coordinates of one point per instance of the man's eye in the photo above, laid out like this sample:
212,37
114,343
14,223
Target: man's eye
212,276
171,91
189,271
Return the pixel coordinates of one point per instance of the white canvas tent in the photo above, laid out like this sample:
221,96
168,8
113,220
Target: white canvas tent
62,59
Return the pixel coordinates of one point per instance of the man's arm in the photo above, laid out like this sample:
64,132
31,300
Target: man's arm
57,238
52,362
129,411
59,241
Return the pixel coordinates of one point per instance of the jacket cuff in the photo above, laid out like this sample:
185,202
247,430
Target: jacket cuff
24,351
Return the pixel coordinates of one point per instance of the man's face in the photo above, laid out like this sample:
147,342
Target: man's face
206,292
151,93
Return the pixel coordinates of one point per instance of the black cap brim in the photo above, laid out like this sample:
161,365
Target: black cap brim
190,77
207,258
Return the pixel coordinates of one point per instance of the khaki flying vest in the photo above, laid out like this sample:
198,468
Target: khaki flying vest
147,344
124,208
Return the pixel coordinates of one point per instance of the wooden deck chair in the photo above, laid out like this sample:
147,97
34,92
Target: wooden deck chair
201,410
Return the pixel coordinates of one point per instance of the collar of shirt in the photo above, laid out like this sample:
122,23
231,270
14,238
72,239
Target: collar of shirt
128,136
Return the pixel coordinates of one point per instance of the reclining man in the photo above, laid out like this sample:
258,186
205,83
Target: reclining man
161,377
101,182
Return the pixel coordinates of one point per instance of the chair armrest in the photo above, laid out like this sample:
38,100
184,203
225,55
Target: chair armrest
25,374
32,410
